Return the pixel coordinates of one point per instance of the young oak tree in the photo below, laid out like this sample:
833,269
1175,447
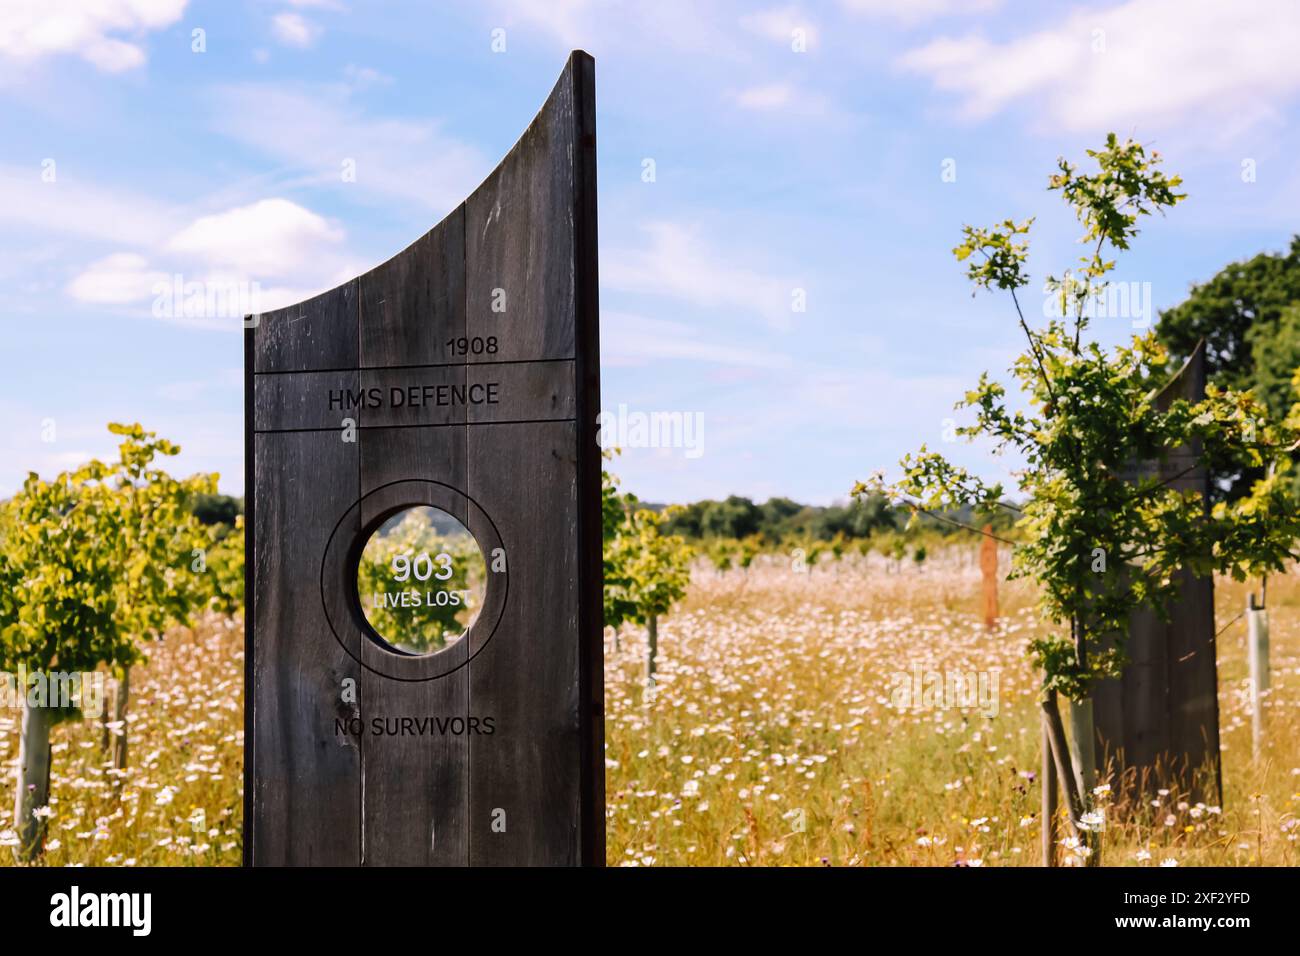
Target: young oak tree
656,570
613,505
720,555
225,567
646,570
161,540
1091,415
89,567
61,614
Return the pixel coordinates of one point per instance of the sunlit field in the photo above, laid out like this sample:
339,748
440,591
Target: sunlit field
770,738
180,800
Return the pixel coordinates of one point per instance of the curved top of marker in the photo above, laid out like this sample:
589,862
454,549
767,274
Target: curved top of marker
522,243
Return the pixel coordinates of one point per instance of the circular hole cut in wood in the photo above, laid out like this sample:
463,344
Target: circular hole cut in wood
421,580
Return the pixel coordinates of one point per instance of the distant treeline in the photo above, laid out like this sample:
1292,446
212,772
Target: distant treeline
217,509
782,519
736,518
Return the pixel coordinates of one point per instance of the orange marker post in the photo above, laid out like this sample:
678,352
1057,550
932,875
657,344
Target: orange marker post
989,570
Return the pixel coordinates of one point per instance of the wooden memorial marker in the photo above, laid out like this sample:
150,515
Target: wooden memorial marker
424,678
1159,722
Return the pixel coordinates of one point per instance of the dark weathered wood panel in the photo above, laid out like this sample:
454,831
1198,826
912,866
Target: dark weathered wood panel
298,668
525,476
1192,667
415,789
287,402
519,238
413,303
1160,720
320,333
430,395
525,392
1193,685
419,393
1146,691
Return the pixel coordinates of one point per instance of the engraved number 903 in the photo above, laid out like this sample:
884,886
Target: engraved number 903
404,566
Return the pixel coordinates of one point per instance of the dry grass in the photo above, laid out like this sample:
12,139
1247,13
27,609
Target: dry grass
772,736
771,739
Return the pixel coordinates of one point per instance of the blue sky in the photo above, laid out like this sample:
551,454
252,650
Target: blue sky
795,147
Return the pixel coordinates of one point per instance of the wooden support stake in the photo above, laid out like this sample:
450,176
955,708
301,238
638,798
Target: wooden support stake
989,571
1061,759
652,648
1048,788
120,739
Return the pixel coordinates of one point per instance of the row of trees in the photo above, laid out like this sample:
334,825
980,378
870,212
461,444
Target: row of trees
95,564
780,521
808,552
99,561
776,520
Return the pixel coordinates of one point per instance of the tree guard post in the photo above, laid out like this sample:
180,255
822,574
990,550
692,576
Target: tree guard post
424,661
1257,661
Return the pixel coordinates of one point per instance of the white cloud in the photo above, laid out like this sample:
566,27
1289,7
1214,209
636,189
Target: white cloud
781,97
678,264
293,29
182,391
601,26
271,237
633,340
1147,62
779,24
116,280
362,77
225,379
767,97
70,206
290,251
909,12
31,29
853,398
254,258
568,20
319,129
